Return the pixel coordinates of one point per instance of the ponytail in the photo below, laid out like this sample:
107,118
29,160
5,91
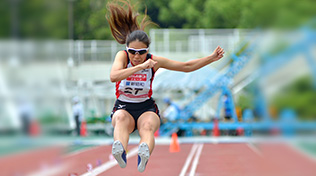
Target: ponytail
122,20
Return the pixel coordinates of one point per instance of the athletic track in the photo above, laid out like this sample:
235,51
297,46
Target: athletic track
199,159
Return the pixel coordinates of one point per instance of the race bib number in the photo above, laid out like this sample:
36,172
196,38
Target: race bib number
133,91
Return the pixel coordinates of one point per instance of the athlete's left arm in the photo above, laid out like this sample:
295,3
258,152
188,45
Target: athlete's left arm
191,65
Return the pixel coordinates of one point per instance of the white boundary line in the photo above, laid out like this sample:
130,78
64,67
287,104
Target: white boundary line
188,160
109,164
196,160
255,149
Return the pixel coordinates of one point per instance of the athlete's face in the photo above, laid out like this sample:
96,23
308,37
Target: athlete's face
137,57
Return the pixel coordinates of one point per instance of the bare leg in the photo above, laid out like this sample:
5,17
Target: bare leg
147,124
123,124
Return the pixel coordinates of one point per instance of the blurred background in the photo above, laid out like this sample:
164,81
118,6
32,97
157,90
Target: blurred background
56,58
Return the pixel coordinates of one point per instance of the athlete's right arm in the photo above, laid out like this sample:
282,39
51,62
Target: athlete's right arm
119,70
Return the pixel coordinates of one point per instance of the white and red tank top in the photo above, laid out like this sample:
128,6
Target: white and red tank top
138,86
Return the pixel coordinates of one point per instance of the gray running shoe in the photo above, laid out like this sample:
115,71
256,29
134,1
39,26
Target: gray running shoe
119,153
143,156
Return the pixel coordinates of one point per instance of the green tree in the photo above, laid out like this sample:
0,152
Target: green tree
231,13
43,19
90,22
300,96
5,23
155,10
49,19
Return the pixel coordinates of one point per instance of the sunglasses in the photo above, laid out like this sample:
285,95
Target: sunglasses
139,51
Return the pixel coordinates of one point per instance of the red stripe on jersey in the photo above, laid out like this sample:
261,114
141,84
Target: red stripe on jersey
150,92
151,57
116,89
117,93
151,80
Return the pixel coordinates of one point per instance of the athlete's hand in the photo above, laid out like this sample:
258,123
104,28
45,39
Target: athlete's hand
148,64
218,53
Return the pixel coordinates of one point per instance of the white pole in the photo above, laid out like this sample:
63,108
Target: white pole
94,50
152,34
9,104
166,40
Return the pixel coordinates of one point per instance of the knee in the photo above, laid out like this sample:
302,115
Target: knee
121,118
146,126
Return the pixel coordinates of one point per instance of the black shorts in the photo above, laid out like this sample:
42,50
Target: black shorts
136,109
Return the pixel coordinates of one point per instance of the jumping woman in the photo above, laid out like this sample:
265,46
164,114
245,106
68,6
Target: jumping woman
133,72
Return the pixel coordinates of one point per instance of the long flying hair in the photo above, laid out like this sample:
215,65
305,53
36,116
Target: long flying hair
123,21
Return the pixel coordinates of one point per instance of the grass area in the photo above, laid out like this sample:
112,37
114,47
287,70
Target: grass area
11,145
17,146
75,148
309,147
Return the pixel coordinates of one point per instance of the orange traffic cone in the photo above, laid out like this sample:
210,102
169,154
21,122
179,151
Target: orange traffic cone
174,145
34,128
83,129
216,131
